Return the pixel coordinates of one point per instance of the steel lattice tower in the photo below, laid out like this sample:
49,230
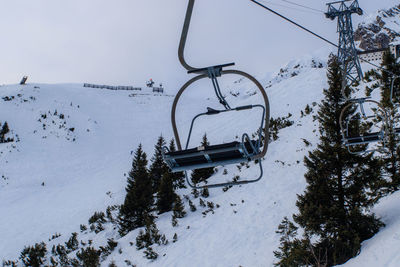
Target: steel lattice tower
347,52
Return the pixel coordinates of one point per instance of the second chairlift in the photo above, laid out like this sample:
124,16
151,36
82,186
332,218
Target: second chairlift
362,133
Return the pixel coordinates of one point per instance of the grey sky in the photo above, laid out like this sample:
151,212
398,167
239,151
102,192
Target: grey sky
129,41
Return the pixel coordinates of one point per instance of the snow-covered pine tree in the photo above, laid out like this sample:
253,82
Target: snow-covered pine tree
201,175
139,195
34,256
158,166
89,257
333,209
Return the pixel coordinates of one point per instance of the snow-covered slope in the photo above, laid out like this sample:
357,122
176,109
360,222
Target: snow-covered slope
75,147
383,248
56,177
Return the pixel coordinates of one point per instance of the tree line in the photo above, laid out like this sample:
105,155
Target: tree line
334,212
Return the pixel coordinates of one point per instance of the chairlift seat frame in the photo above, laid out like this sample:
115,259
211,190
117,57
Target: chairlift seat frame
220,154
215,155
364,139
209,156
367,138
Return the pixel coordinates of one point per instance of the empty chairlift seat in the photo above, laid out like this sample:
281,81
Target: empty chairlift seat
211,156
245,150
364,139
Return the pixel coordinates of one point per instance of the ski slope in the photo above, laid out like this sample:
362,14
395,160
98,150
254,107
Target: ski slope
54,183
79,176
56,177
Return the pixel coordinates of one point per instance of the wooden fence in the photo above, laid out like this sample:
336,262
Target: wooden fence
111,87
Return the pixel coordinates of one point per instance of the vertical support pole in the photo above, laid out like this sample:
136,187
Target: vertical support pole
347,52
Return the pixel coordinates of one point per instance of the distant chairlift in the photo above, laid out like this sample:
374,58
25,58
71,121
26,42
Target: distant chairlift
362,128
158,89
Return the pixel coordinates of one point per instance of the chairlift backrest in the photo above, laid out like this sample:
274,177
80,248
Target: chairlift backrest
353,140
221,154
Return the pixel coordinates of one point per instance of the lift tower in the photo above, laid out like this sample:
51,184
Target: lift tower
347,52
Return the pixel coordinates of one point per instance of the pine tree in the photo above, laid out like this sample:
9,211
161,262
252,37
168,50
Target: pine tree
149,236
385,78
165,195
174,220
72,243
4,130
192,206
178,177
150,254
390,159
89,257
332,210
139,195
178,211
195,193
205,193
201,175
34,256
158,166
179,208
291,250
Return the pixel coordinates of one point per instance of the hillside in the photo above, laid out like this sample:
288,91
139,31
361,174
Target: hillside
56,177
62,170
83,170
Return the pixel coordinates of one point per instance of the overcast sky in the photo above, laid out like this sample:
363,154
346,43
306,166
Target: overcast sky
125,42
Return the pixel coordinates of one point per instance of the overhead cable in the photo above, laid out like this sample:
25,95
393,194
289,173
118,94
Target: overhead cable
303,6
290,7
295,23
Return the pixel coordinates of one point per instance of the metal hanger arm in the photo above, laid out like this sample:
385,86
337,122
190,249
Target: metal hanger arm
184,34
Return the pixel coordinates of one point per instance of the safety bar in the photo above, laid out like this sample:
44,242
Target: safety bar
211,111
226,183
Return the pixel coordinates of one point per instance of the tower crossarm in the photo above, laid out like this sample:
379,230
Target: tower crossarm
340,8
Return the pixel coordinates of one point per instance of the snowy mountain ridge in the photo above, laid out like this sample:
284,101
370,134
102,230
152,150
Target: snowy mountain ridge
378,30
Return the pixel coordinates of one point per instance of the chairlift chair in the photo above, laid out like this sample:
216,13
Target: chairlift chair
245,150
352,140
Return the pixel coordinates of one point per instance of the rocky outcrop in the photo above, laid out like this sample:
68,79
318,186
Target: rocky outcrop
379,33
